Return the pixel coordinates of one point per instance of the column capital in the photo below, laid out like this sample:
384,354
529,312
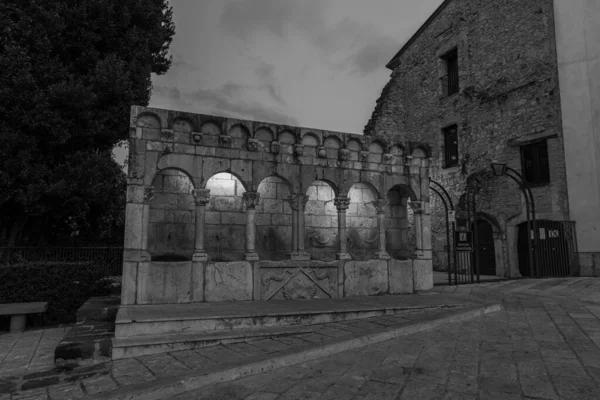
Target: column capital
201,196
292,199
148,194
380,205
342,203
251,199
417,206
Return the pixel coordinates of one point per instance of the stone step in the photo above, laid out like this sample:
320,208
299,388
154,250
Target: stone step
153,344
202,317
151,329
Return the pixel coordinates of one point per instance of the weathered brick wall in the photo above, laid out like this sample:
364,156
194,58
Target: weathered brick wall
508,94
273,220
225,218
321,222
361,221
172,214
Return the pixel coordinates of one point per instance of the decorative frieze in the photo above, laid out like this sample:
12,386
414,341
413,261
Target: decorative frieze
225,141
148,194
251,199
252,144
342,203
201,196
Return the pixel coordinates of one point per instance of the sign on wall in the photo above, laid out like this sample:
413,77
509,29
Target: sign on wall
463,240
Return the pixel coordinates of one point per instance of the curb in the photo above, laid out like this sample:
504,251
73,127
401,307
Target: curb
171,386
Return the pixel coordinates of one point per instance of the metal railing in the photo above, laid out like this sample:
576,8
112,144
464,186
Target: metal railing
110,259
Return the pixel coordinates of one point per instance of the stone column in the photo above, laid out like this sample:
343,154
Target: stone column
417,207
201,198
342,203
380,206
251,201
301,254
293,202
137,213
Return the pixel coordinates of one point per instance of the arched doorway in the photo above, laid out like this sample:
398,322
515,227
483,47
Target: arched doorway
485,249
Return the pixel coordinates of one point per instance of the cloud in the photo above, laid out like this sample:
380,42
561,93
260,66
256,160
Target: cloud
362,46
247,17
372,56
268,81
226,99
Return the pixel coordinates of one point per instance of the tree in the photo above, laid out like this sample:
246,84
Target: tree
69,72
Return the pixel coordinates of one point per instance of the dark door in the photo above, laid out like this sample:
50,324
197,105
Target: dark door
485,249
524,267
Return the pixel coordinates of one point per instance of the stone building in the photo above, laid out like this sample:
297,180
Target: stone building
479,81
222,210
578,53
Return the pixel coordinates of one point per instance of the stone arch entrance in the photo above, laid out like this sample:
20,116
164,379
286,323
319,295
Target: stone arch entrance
486,251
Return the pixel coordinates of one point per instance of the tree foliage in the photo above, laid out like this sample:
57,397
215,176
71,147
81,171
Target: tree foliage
69,72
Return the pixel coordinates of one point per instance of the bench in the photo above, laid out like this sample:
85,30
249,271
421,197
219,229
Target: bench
19,311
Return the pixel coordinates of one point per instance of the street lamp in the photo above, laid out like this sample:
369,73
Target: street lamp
501,169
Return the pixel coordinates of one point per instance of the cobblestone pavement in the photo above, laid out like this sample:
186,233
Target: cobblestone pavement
544,345
539,347
29,351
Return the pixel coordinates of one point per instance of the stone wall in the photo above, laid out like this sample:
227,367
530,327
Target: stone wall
172,215
274,220
253,192
321,218
188,282
508,96
225,222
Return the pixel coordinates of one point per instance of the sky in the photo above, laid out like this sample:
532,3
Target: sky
311,63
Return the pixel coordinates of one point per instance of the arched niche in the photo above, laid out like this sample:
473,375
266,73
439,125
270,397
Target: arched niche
239,136
332,147
148,120
211,128
311,142
321,221
419,157
287,140
274,219
355,147
150,124
225,221
171,221
182,125
264,136
399,223
361,222
376,152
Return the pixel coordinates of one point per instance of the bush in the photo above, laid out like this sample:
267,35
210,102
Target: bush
64,285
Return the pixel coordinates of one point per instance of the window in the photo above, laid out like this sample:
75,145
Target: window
534,159
450,146
450,79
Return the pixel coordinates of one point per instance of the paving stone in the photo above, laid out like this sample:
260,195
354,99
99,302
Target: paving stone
220,354
192,359
163,365
294,394
246,348
262,396
98,384
66,392
378,391
130,372
337,392
269,345
291,341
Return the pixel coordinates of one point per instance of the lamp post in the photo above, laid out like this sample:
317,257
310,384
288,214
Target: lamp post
501,169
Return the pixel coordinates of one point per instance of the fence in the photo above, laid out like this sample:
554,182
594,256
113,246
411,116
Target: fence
110,258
